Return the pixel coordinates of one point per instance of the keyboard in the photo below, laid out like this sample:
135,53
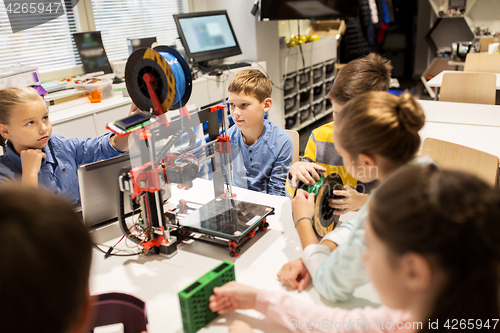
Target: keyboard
224,67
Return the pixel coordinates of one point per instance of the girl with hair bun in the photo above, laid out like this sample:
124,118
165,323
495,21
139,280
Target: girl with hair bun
432,255
375,134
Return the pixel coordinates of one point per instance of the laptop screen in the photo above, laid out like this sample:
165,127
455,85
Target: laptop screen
99,190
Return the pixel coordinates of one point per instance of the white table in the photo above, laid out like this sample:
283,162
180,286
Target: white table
157,280
437,81
472,125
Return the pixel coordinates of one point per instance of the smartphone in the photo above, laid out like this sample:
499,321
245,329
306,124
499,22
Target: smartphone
133,120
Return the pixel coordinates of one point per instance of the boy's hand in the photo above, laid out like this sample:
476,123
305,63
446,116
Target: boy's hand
353,200
31,161
232,296
239,326
295,275
305,172
303,204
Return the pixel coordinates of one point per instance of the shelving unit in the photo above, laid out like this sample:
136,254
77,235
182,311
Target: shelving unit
448,29
305,103
307,82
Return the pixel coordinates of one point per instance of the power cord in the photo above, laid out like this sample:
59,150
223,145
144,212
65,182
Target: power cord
109,253
300,46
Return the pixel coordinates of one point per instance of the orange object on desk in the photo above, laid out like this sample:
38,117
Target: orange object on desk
95,96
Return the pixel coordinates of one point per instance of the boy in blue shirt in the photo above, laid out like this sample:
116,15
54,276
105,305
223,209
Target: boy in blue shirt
261,152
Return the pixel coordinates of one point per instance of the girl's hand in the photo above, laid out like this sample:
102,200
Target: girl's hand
31,161
302,204
133,109
232,296
122,144
239,326
353,200
305,172
295,275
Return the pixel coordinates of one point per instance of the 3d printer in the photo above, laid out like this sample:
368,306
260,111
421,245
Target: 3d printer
158,80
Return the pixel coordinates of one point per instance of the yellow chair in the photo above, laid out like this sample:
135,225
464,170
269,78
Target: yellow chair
482,62
295,141
479,88
453,156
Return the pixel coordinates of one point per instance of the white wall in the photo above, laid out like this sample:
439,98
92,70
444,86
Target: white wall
242,20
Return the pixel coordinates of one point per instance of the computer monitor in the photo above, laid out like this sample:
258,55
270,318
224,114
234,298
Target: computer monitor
92,53
140,43
207,36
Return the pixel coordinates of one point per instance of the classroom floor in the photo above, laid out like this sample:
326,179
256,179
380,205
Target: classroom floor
413,86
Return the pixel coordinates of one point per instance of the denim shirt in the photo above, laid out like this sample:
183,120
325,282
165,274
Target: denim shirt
263,166
58,171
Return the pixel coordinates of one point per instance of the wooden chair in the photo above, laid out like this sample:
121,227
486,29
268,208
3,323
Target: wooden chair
457,157
295,141
479,88
482,62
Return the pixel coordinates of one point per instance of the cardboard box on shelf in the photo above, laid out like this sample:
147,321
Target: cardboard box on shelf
332,28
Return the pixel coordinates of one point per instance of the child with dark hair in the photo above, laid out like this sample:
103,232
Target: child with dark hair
44,270
432,255
35,156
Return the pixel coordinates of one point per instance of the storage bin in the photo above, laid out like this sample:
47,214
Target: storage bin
290,82
305,113
305,96
290,102
329,68
318,107
317,73
304,77
329,85
318,91
106,88
290,121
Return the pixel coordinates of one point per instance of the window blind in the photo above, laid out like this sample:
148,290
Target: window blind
121,19
48,46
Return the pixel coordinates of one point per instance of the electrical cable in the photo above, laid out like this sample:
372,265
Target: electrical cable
300,46
115,254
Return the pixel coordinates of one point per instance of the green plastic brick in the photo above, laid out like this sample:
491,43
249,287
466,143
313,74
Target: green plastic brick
194,299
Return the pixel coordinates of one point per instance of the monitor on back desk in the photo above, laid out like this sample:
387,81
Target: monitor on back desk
99,190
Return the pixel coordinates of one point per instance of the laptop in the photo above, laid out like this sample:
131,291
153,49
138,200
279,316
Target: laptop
99,190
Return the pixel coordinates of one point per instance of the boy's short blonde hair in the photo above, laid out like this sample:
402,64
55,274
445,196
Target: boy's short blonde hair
253,83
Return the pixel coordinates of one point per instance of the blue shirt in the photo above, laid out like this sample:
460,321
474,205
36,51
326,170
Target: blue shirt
263,166
58,171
